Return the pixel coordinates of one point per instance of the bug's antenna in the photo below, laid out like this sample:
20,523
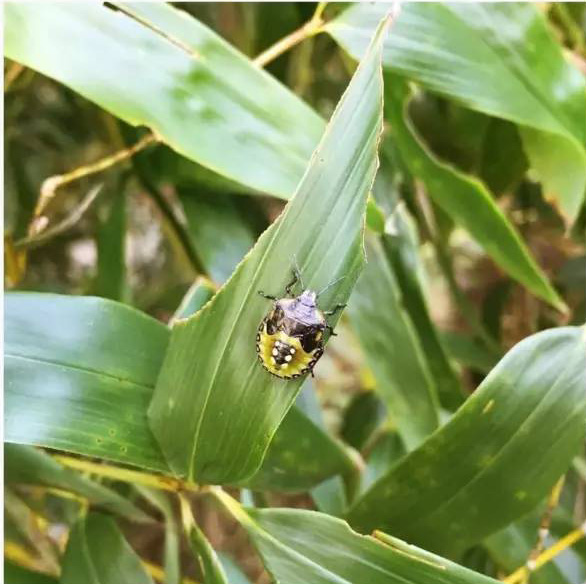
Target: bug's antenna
297,271
329,286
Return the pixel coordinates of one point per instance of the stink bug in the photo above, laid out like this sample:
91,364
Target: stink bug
290,340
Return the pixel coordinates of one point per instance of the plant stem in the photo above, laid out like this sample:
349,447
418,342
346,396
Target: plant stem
176,225
51,184
201,547
32,241
13,73
309,29
123,474
159,574
549,554
22,557
543,531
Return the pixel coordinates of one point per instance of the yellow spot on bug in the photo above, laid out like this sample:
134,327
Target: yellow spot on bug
299,358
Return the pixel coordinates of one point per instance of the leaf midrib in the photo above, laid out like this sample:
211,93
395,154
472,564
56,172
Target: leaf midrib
87,370
500,450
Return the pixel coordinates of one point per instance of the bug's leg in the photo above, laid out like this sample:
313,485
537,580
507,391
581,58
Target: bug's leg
296,277
335,309
311,371
330,330
267,296
292,283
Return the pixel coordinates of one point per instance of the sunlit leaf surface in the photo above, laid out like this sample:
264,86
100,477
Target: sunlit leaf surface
161,68
215,409
497,458
497,58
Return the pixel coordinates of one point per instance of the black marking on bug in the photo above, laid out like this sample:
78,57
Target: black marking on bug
291,337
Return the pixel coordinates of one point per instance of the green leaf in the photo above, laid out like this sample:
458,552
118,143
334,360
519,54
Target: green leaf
392,350
218,232
498,456
200,292
14,574
79,374
330,496
375,219
497,58
172,550
400,247
511,547
301,455
215,409
304,546
233,571
24,465
111,277
385,451
210,564
97,553
204,98
68,359
364,414
465,199
468,351
503,164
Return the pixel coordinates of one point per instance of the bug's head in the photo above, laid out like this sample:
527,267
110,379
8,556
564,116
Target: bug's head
308,298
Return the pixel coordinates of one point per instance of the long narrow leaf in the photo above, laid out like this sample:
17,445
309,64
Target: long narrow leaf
497,58
97,553
24,465
298,547
465,199
497,458
392,349
215,409
80,373
161,68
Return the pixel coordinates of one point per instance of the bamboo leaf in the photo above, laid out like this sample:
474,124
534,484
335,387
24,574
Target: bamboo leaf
497,458
304,546
198,294
111,238
163,69
215,409
97,553
211,566
392,350
68,359
172,549
79,375
499,59
466,200
210,217
14,574
400,243
24,465
301,455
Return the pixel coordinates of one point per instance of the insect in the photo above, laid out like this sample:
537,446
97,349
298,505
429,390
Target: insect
290,341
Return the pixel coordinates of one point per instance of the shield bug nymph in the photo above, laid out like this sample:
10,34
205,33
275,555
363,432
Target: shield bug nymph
290,339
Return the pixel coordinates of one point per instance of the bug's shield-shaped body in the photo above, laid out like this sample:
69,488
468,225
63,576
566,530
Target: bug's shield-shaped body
290,338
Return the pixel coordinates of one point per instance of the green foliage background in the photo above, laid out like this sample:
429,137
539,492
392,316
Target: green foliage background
443,177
